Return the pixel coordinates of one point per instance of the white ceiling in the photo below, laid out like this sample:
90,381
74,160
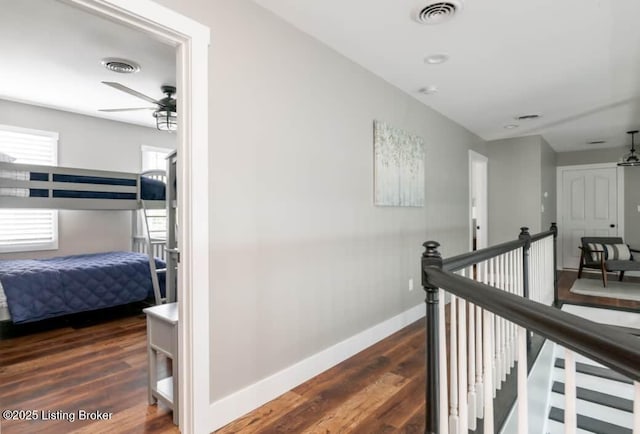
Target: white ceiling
576,62
51,55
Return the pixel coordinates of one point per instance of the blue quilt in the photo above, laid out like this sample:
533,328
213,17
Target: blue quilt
44,288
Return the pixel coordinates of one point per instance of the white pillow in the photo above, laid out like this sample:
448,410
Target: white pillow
618,252
4,158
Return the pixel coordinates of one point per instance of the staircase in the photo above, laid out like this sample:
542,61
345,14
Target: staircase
604,398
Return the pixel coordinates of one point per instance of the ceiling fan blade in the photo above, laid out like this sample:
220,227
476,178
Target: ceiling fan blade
127,109
130,91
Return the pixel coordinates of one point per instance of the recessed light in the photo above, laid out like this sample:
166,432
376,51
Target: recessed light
429,90
528,117
436,59
511,126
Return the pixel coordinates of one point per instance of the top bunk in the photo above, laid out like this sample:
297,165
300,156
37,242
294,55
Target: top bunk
53,187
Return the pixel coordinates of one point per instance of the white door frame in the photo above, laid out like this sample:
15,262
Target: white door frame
476,158
560,200
191,40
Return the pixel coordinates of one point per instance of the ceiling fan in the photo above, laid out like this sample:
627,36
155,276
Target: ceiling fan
165,110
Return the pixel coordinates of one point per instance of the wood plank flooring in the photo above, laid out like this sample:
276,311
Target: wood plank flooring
379,390
103,367
57,373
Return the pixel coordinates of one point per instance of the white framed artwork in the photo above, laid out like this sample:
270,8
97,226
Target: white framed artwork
398,167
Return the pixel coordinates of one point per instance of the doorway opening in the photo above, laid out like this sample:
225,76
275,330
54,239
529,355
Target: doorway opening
478,213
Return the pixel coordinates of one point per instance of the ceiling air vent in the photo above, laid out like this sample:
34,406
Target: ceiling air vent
596,142
528,117
437,12
121,66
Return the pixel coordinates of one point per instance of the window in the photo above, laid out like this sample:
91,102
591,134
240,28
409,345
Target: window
28,229
154,158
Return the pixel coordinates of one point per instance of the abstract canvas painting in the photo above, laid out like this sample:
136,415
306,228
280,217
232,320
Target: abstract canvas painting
399,167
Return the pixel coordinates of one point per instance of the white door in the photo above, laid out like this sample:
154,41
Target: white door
589,208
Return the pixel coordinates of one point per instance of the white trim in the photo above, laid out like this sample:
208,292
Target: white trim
559,201
191,40
251,397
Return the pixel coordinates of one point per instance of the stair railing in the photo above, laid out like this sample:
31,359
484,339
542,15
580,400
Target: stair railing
497,296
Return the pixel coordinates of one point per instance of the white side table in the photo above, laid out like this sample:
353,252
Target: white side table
162,337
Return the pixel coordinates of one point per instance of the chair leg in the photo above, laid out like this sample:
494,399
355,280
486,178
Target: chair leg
621,276
604,276
581,263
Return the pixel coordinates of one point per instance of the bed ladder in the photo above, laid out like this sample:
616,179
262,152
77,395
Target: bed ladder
154,246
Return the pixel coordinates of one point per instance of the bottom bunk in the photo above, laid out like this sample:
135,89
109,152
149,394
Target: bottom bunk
36,289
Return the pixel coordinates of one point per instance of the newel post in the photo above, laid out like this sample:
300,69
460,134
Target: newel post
526,237
431,258
554,229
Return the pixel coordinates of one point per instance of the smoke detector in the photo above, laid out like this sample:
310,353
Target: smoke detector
121,66
436,12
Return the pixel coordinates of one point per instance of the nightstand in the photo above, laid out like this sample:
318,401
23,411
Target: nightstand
162,338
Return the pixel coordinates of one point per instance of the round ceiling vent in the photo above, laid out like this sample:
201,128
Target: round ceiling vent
437,12
121,66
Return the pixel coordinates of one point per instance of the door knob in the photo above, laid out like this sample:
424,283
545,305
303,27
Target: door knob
612,225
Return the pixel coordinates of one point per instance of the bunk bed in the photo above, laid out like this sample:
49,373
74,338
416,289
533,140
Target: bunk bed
32,290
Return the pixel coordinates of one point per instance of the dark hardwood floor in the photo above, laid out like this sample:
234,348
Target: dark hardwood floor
102,366
80,366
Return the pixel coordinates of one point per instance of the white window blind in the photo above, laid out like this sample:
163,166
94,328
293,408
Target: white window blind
154,158
28,229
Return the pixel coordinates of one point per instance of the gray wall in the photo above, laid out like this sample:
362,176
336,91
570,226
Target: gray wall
548,184
91,143
514,187
301,259
631,184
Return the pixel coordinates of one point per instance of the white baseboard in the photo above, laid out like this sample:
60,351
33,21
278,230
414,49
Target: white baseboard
251,397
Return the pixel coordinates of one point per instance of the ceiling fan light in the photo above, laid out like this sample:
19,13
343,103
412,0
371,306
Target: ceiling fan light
630,159
166,120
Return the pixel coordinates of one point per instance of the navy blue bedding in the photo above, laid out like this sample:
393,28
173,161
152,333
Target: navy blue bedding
150,189
44,288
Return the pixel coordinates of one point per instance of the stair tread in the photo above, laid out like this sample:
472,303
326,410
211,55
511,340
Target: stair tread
589,424
597,397
595,371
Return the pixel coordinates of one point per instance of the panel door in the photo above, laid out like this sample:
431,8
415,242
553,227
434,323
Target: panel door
589,208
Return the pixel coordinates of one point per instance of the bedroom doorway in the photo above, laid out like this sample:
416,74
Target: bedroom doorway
188,42
191,40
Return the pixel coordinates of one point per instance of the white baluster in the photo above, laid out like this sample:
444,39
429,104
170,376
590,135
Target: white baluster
463,409
454,424
570,418
442,362
489,366
514,285
494,354
504,349
499,332
523,404
636,408
480,349
471,395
